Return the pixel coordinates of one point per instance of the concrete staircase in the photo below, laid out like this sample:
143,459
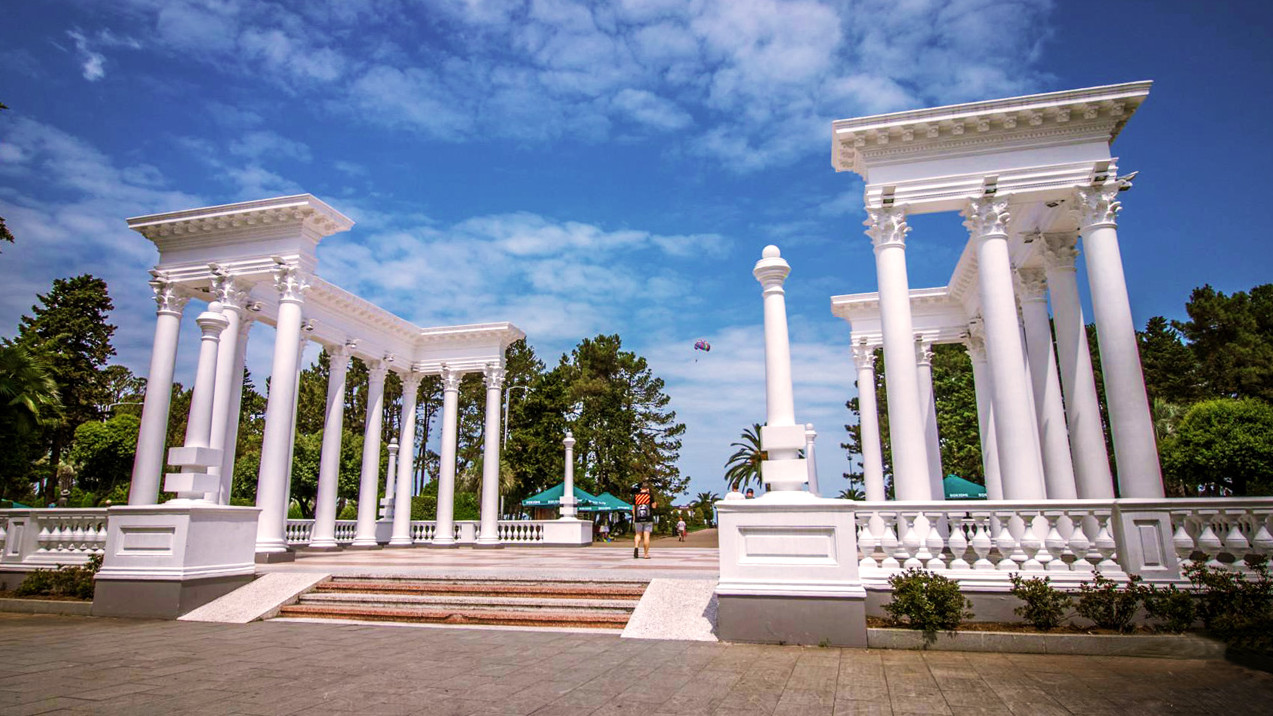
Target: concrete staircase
502,602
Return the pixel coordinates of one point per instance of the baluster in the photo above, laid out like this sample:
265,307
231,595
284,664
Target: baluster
934,544
981,542
889,543
1105,546
911,541
958,542
61,534
1006,543
866,541
1235,543
44,538
1054,544
1181,541
1262,542
77,535
1079,543
1030,544
1208,543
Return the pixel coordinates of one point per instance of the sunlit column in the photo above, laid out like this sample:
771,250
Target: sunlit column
196,457
324,533
1131,425
869,423
811,458
567,501
229,299
401,536
444,534
369,478
488,532
887,228
231,439
1054,439
928,401
981,378
148,463
1019,457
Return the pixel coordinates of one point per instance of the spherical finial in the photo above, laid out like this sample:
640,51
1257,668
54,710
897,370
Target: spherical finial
771,252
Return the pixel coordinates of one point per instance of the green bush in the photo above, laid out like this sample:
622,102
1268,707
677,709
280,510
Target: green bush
1108,604
74,582
1044,606
928,602
1235,607
1174,609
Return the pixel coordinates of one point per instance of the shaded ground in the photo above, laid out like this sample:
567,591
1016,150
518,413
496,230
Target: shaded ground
701,538
84,665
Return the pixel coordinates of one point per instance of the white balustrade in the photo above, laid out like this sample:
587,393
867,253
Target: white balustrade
345,530
520,531
298,532
51,537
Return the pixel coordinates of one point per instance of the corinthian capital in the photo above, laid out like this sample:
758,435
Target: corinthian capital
494,374
976,338
167,300
987,216
451,379
864,356
923,352
1032,284
377,371
1059,251
1096,206
291,283
226,290
887,227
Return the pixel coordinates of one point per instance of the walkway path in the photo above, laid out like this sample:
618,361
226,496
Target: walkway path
83,665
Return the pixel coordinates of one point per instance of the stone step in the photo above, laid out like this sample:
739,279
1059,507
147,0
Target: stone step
370,599
587,619
542,589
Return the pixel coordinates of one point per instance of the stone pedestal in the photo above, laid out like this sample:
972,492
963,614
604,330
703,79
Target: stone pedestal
789,572
164,560
568,533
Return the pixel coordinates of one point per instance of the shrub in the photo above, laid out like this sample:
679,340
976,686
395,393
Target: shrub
1237,608
1109,605
1173,608
74,582
1044,606
928,602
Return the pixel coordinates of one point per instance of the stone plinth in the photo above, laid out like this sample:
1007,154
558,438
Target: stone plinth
567,533
789,571
165,560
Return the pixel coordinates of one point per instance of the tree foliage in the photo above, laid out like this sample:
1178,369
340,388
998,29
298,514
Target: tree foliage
29,405
1222,446
1232,339
743,467
103,453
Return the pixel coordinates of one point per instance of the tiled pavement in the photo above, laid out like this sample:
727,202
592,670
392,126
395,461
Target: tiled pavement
77,664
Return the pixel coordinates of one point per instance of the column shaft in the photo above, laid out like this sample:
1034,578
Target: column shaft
928,400
1054,439
869,424
228,299
905,414
324,533
1131,425
985,413
231,439
1019,457
444,535
148,463
369,478
401,536
568,485
488,533
276,442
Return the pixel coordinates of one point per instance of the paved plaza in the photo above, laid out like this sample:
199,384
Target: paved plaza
84,665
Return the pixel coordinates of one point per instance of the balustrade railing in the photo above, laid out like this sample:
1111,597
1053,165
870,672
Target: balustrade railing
31,538
521,531
299,532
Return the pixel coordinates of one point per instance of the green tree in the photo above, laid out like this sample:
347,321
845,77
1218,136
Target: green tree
1232,339
69,326
743,467
1222,446
29,405
1170,367
103,454
4,230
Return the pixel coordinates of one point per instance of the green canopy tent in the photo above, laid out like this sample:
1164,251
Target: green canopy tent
550,499
957,488
611,504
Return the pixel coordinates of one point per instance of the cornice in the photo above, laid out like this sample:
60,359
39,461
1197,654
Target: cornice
299,210
1096,111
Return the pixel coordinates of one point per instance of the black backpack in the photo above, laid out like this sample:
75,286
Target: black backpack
643,512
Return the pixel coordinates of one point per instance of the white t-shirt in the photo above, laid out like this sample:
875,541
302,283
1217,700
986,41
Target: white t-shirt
680,525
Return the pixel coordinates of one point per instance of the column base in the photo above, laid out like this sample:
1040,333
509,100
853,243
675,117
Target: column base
399,544
333,547
488,545
275,557
363,546
443,545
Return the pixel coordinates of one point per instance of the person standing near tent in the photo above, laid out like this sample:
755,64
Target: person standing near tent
643,505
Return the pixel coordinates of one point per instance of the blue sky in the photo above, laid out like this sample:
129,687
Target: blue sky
586,168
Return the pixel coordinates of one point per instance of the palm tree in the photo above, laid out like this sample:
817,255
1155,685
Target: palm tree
706,499
28,393
744,465
852,493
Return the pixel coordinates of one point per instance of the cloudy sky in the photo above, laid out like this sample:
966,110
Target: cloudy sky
580,168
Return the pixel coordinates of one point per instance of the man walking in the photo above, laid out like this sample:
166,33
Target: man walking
643,505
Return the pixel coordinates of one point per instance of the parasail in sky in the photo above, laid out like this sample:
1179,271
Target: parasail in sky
702,346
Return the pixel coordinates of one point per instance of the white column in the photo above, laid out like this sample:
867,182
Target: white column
1130,423
196,458
888,229
568,486
229,300
231,439
488,532
276,443
401,536
444,535
784,471
291,446
148,464
324,533
869,424
391,479
1019,458
1082,406
369,478
1054,438
985,409
928,400
811,459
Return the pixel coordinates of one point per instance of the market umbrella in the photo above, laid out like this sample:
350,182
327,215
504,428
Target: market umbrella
552,498
957,488
609,503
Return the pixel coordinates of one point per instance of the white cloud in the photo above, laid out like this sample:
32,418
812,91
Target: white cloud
93,62
652,110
